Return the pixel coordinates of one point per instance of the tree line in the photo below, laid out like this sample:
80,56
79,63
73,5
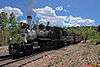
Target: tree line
8,28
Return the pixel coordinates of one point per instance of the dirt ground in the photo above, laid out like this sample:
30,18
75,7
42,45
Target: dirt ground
78,55
4,50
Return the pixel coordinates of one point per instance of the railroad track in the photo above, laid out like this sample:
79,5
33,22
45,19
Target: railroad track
5,57
24,60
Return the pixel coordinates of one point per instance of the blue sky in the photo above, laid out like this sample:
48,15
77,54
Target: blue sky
83,8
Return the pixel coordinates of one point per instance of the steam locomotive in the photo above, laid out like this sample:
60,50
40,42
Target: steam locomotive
42,37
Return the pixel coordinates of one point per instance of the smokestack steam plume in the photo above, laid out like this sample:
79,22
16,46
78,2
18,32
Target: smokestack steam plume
29,7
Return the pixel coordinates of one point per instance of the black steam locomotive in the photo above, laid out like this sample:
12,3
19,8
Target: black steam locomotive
42,37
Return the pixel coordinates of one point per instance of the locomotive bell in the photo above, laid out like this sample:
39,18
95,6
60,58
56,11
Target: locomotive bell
29,20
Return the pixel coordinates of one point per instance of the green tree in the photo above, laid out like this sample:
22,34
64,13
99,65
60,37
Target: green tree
4,32
13,20
4,19
14,32
9,28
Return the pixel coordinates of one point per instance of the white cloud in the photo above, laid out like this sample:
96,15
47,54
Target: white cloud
81,21
9,10
54,21
46,11
48,14
60,8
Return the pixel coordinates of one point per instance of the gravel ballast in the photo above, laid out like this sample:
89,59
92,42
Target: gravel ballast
78,55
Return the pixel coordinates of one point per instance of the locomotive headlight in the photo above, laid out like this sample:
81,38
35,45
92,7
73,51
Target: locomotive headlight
10,39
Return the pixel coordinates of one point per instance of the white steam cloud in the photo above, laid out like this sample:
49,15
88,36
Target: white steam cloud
48,14
17,12
29,7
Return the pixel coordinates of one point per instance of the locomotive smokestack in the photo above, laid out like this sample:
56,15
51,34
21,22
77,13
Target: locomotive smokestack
29,20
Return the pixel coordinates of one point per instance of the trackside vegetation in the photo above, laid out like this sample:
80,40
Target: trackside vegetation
91,33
